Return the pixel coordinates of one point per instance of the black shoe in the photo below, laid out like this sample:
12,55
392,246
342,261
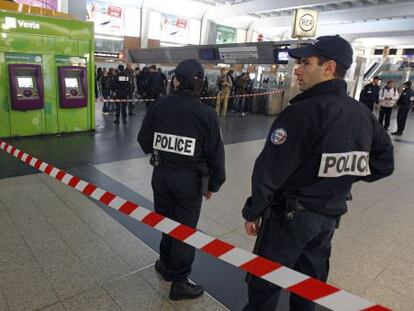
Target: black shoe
124,120
397,133
159,267
185,290
131,114
116,121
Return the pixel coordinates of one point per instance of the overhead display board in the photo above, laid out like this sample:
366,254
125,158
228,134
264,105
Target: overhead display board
305,23
232,54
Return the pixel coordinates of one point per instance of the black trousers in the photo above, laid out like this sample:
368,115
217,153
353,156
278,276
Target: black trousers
385,112
121,106
369,105
303,244
177,195
402,117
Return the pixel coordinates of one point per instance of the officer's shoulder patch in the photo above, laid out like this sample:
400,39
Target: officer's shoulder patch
278,136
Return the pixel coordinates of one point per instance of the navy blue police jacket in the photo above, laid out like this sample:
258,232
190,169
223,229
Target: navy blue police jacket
406,98
120,85
185,133
316,149
370,94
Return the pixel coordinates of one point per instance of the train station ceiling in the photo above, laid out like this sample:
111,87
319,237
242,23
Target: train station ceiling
372,22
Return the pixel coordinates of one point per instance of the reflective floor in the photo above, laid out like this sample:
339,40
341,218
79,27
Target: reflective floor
62,251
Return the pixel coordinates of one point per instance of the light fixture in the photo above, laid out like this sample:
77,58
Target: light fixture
108,38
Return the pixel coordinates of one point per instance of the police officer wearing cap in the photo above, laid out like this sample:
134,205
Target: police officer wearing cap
405,102
121,86
370,93
316,149
184,138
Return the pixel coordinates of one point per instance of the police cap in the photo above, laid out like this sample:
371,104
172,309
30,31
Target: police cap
189,69
331,47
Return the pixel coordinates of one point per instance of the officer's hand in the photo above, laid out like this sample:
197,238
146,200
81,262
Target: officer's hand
208,195
252,228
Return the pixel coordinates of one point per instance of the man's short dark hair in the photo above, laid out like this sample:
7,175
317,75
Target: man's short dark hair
152,67
340,70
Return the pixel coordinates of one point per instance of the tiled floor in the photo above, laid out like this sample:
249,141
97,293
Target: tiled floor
61,251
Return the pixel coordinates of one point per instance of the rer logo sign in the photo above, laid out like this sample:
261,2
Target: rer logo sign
305,22
13,23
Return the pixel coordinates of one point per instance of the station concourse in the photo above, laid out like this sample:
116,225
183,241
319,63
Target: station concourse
62,251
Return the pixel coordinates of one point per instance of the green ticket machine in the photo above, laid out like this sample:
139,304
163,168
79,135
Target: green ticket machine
47,75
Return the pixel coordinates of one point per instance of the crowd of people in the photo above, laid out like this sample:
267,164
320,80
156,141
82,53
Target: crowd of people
128,84
385,99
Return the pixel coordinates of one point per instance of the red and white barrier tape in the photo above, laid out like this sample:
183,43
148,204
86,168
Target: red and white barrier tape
309,288
206,97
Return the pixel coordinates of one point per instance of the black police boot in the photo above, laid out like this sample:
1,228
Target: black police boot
131,114
160,268
397,133
185,290
116,121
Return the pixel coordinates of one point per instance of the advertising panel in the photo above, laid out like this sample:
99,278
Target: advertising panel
46,4
107,17
173,28
224,34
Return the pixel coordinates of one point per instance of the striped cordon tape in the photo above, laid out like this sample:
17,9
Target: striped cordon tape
309,288
206,97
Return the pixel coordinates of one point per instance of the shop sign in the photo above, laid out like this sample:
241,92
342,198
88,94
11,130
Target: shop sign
22,58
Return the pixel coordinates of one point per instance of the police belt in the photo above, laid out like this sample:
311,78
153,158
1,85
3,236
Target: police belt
288,207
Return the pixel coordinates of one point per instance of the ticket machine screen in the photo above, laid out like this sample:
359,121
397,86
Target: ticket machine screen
25,82
72,86
71,83
26,86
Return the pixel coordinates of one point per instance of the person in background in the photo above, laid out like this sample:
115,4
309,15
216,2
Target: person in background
164,80
387,99
225,85
240,84
131,75
369,95
404,103
121,88
155,83
106,91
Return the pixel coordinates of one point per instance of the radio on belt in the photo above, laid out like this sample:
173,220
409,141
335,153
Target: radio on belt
73,87
26,86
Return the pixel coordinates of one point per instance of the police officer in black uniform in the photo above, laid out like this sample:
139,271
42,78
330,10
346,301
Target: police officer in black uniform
370,93
121,87
316,149
184,138
405,102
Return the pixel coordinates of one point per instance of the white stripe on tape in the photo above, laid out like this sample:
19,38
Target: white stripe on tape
167,225
2,145
199,239
237,256
140,213
54,172
16,152
43,166
97,193
285,277
81,185
66,179
33,161
344,301
9,148
117,202
24,157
